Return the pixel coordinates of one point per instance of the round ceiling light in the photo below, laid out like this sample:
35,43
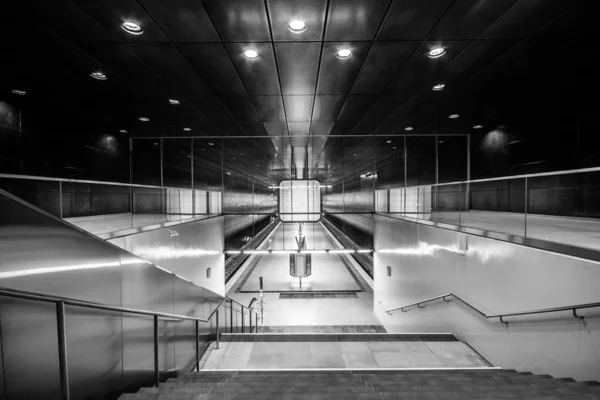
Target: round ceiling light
439,87
132,27
122,131
478,127
389,141
19,92
437,52
173,101
408,128
297,26
187,129
144,119
210,143
99,75
454,116
344,53
251,54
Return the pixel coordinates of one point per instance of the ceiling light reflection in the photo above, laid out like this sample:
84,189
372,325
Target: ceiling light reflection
423,249
437,52
19,92
344,53
251,54
99,75
132,28
297,26
439,87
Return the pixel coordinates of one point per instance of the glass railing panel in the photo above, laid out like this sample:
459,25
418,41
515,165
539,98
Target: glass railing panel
565,208
495,206
42,194
446,203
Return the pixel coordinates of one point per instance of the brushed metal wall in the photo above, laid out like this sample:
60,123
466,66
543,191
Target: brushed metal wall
496,277
107,352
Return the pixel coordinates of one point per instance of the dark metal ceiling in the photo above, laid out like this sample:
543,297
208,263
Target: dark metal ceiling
297,92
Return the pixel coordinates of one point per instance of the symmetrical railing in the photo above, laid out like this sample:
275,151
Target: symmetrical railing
55,195
572,308
62,333
546,206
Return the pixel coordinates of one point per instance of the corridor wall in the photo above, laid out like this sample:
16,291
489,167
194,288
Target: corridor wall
495,277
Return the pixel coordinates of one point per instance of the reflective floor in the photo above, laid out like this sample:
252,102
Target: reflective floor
581,232
111,223
330,272
365,353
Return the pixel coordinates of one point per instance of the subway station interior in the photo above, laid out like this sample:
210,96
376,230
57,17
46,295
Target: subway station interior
299,199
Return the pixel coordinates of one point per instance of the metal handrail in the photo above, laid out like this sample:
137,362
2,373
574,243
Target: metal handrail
61,302
51,179
572,308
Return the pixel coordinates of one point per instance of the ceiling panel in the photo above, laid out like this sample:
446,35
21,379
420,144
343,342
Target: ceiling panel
354,19
182,20
298,64
420,68
210,105
318,128
328,107
385,106
239,20
337,75
298,108
112,13
260,75
524,18
466,19
240,107
382,63
282,12
212,63
354,109
269,108
411,19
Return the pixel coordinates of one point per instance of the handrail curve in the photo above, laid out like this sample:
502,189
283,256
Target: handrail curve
501,317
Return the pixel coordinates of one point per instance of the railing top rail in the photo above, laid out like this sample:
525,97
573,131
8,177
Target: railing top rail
226,298
79,303
52,179
572,308
504,178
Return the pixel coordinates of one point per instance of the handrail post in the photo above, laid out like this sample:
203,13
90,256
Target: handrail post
242,309
197,345
250,317
156,367
217,322
231,313
62,350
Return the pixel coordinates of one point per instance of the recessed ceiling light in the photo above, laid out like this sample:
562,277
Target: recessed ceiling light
251,54
355,154
437,52
394,148
297,26
389,141
19,92
234,158
478,127
155,143
210,143
187,129
228,173
122,131
173,101
132,27
144,119
439,86
408,128
99,75
454,116
344,53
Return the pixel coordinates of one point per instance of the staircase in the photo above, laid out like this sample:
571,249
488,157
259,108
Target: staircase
367,385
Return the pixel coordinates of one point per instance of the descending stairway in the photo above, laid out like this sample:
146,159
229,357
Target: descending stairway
367,385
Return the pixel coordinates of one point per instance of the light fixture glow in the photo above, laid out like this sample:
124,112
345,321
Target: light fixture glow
408,128
228,173
454,116
144,119
210,143
344,53
233,252
437,52
256,251
251,54
19,92
394,148
297,26
99,75
364,251
187,129
439,87
132,27
478,127
340,251
123,130
174,102
389,141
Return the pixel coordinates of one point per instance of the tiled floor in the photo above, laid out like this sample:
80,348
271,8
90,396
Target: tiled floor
316,353
582,232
